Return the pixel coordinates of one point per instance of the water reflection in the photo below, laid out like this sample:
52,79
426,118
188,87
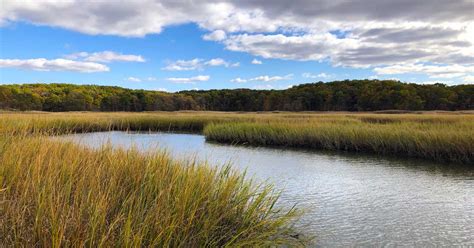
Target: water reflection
351,199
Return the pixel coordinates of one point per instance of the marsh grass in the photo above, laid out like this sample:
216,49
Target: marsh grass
443,137
439,138
56,194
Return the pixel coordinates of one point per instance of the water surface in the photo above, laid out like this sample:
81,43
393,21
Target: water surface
350,200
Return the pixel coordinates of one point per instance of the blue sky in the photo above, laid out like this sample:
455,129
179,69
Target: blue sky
242,48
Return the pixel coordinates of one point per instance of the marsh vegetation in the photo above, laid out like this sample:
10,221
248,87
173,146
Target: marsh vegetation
55,193
443,137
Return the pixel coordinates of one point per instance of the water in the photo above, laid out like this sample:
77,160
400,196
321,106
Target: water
350,200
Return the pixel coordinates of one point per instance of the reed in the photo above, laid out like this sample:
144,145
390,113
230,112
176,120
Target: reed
443,139
57,194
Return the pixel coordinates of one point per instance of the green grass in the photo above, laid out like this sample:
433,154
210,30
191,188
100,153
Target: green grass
56,194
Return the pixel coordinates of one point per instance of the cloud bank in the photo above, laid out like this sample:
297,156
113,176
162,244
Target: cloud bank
42,64
356,33
197,64
189,80
106,57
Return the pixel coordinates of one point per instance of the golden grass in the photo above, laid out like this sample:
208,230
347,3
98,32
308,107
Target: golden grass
443,137
56,194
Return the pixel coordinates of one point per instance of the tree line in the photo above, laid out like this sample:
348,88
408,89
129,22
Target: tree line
348,95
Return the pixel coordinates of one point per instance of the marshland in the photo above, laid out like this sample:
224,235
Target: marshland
433,136
197,123
233,179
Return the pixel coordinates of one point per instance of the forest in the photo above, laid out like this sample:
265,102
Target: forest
348,95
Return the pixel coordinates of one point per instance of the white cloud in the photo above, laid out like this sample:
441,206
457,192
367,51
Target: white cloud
189,80
434,71
133,79
216,35
256,62
263,78
217,62
106,57
344,33
184,65
238,80
42,64
139,18
136,79
197,64
271,87
320,75
266,78
162,89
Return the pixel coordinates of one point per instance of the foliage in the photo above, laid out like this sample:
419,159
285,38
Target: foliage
355,95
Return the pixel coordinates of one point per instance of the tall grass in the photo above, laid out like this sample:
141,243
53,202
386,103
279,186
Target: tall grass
57,123
56,194
443,139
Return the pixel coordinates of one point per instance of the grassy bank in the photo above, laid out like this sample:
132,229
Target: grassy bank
446,142
59,194
56,194
442,137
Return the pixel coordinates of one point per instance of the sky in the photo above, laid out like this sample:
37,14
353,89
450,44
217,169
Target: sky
173,45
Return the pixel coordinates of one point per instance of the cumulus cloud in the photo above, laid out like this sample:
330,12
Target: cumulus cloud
320,75
238,80
197,64
217,35
184,65
263,78
256,62
216,62
434,71
271,78
106,57
189,80
358,33
270,87
42,64
134,79
137,79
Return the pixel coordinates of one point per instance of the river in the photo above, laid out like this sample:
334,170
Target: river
349,199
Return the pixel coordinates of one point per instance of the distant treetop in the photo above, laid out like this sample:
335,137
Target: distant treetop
349,95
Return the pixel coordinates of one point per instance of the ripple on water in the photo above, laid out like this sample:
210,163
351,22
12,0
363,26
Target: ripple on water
349,200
